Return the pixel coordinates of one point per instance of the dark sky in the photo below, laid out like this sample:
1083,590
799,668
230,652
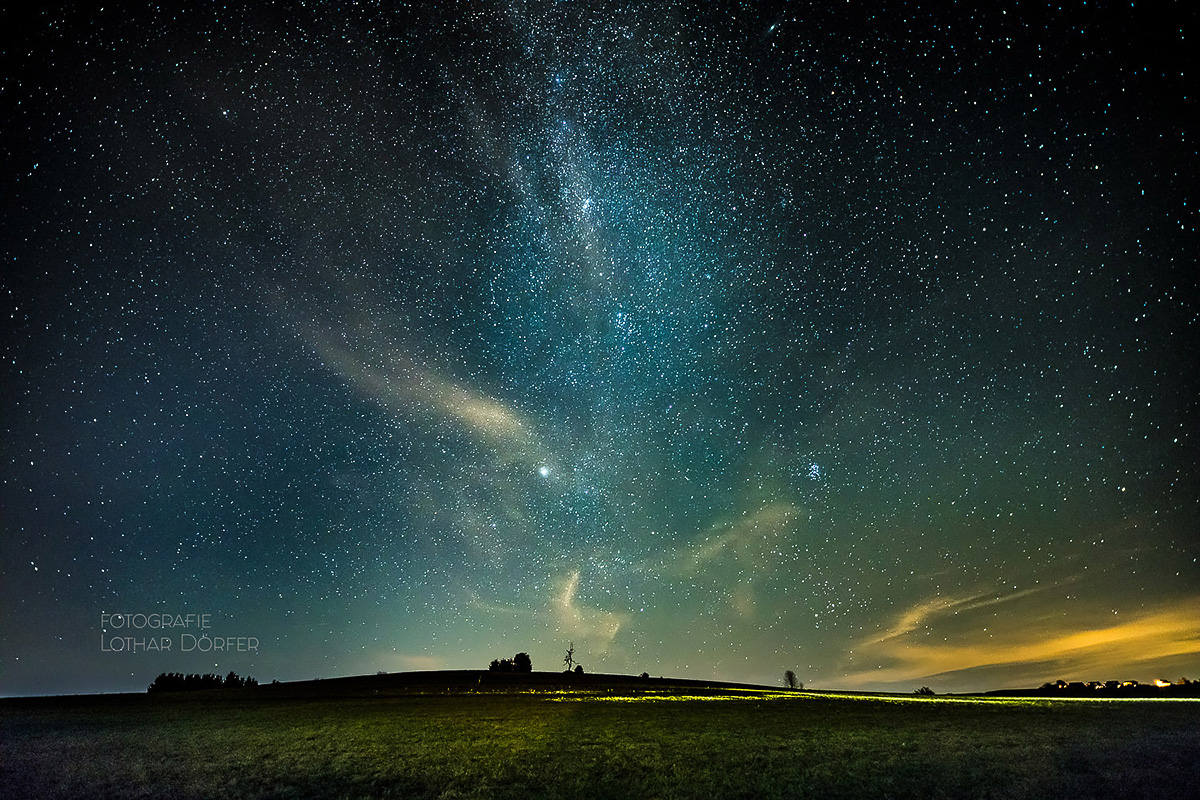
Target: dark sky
719,339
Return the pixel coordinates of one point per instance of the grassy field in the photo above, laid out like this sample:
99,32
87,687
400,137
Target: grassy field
617,741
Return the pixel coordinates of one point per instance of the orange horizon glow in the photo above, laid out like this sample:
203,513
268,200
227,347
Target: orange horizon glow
1112,651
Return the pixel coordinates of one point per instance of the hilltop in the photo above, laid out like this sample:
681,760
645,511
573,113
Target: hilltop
471,681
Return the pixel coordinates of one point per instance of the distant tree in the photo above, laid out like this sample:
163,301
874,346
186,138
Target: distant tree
569,658
924,691
578,669
789,680
522,663
167,682
645,676
178,682
503,665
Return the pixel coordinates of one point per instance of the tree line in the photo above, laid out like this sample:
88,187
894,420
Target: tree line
521,662
178,682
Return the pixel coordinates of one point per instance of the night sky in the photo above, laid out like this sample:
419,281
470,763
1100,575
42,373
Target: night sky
719,339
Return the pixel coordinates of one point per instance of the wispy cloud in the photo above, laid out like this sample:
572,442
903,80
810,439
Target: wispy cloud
596,627
917,616
593,629
747,537
369,350
924,644
390,377
750,542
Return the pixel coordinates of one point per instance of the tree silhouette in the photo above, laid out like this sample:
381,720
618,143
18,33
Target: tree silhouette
178,682
518,663
569,658
789,680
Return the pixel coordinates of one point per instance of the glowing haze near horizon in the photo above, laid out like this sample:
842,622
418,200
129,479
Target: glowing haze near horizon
719,339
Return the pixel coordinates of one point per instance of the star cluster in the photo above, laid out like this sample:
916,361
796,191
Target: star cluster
716,338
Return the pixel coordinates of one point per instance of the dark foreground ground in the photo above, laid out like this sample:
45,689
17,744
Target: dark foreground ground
459,735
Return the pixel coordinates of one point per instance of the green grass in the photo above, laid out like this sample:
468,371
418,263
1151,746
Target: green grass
545,743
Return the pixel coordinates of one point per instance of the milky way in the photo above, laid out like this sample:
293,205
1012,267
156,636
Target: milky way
717,339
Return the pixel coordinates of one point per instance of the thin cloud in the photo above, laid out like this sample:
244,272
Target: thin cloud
751,540
593,628
411,390
1087,649
917,616
592,625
